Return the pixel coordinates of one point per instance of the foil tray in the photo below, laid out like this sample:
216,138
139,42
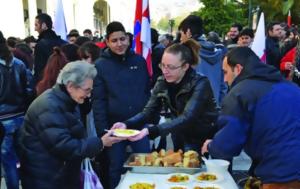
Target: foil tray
159,170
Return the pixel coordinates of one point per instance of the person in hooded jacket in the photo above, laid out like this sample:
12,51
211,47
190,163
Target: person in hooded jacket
15,96
211,57
260,114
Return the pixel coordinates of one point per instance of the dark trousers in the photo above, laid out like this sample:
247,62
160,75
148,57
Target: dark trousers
101,167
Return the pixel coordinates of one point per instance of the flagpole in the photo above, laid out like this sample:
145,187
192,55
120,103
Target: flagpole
289,19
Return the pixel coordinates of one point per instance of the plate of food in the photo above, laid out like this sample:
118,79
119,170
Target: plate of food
208,177
142,185
125,132
179,178
178,187
206,186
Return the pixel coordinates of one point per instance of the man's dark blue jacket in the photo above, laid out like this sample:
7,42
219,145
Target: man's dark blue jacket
261,114
121,88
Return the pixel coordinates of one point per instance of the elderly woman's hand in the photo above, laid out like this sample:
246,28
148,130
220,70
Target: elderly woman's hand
109,140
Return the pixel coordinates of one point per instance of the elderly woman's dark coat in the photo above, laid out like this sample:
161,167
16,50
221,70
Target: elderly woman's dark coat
53,143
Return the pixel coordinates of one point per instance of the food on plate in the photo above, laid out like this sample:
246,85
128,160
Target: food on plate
125,132
178,187
206,187
178,178
167,159
142,185
206,177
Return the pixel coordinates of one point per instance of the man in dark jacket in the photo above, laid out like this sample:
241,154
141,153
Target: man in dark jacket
260,114
45,43
273,52
53,141
233,34
157,52
121,89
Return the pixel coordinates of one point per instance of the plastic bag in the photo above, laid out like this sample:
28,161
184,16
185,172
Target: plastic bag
89,179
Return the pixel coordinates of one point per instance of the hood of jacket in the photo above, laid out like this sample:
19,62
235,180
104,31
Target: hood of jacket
209,52
256,70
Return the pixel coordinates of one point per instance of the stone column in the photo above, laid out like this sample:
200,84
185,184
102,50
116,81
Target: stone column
84,15
12,18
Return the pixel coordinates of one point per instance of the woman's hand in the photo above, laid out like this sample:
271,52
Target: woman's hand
144,132
109,140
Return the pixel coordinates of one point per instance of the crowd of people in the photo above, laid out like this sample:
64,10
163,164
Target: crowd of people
213,96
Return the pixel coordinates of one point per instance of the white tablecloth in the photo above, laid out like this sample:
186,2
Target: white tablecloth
160,181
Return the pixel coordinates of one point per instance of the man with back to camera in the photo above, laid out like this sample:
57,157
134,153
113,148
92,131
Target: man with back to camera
260,115
210,58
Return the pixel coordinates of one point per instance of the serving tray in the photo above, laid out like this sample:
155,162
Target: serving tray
158,169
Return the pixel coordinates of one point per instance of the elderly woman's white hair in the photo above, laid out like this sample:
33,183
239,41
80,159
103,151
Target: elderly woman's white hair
76,72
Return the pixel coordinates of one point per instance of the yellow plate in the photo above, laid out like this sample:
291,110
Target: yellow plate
126,132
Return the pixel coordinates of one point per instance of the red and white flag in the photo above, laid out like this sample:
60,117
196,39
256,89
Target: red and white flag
142,32
289,19
259,42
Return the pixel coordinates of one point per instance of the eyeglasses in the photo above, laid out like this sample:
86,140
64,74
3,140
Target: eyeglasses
87,91
169,67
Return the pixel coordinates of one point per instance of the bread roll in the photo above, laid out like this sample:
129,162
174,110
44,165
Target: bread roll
173,158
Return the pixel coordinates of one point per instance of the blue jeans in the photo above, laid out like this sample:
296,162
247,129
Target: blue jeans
8,152
117,155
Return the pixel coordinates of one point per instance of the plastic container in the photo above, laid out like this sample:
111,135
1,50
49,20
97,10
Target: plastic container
217,165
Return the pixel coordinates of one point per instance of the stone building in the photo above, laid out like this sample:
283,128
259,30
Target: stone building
17,16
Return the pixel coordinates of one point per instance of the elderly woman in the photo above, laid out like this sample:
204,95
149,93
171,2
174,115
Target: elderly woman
53,142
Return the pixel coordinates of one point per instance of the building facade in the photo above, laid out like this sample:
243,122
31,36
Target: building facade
17,17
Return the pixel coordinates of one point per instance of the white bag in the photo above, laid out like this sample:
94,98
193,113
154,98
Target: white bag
89,179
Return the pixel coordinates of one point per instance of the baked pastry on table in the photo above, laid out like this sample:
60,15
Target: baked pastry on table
168,158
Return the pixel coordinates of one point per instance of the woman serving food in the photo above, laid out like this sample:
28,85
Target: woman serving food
188,96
